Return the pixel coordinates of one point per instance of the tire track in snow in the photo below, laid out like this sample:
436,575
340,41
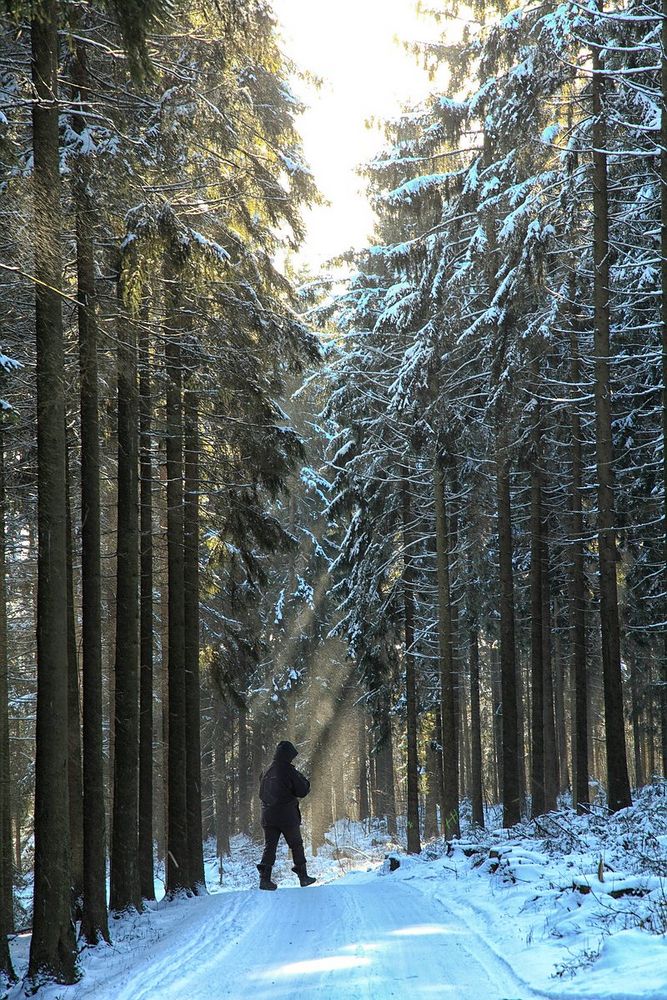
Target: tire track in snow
357,939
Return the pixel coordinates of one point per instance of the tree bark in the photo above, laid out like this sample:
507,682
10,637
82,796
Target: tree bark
548,719
73,722
362,762
6,866
663,274
578,591
413,839
191,625
178,875
510,743
53,945
618,785
125,891
433,789
243,774
222,824
476,792
94,923
536,629
450,749
145,857
636,723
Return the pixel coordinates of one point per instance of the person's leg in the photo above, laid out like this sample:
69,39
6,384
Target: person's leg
271,837
295,842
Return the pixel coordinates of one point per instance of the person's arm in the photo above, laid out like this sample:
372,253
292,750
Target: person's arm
300,783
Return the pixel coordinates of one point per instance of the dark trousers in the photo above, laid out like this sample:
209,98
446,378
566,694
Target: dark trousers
294,842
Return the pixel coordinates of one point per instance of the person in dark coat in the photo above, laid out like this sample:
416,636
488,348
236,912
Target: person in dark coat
280,788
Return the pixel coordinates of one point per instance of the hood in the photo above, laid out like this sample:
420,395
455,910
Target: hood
286,751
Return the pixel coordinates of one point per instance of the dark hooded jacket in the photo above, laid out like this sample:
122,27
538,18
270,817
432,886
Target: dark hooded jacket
280,788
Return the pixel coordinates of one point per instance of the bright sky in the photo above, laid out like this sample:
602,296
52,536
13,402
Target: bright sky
352,45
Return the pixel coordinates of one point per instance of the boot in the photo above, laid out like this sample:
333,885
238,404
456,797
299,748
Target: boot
265,877
304,878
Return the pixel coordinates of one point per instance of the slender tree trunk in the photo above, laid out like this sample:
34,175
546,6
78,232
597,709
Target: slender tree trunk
53,945
145,858
413,845
178,875
448,680
73,723
618,785
192,685
497,704
510,752
125,889
536,629
548,721
559,710
476,793
663,271
432,792
6,866
578,591
636,724
222,803
243,772
384,793
362,762
651,723
94,923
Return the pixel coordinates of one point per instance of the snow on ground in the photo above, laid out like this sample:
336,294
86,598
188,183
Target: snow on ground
501,915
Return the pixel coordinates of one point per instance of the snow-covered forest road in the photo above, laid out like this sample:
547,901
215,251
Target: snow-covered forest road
352,939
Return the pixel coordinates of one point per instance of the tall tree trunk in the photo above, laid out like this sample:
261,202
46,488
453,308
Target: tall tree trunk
243,773
362,762
222,803
413,844
73,723
548,720
125,889
663,272
433,789
536,630
578,588
448,681
559,708
94,923
510,744
6,866
191,614
178,876
497,704
145,857
636,723
618,785
475,733
53,945
383,786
